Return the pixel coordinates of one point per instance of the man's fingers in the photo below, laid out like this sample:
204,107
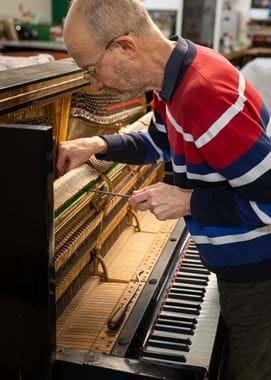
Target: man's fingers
137,198
72,165
143,206
62,164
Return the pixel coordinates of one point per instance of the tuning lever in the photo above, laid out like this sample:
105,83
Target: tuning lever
118,317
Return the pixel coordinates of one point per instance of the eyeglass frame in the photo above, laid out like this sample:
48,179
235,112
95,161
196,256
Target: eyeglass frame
89,73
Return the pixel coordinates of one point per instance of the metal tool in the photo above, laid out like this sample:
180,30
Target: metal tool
109,193
118,317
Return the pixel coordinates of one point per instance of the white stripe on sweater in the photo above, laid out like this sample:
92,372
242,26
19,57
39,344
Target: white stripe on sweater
260,214
229,239
178,168
227,116
159,126
186,136
254,173
158,150
211,177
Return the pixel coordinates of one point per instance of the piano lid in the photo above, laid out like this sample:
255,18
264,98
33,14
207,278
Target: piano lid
28,85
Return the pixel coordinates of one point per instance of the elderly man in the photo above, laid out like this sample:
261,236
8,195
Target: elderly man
210,123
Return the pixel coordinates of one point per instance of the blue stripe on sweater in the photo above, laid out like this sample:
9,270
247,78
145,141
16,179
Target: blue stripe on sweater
178,159
237,254
250,159
154,151
217,231
247,213
158,118
202,168
265,207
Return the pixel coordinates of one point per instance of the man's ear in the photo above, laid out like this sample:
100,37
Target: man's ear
127,44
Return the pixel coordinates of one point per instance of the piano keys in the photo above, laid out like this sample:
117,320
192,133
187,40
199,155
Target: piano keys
185,327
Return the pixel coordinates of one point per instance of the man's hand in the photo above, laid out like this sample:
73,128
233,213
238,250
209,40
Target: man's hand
164,201
74,153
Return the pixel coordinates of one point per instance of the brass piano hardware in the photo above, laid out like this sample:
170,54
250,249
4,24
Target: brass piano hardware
107,180
131,214
119,315
60,110
99,258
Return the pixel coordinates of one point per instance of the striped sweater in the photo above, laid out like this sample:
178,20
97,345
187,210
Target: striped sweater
211,124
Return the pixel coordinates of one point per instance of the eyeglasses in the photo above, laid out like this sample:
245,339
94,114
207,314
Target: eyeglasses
91,71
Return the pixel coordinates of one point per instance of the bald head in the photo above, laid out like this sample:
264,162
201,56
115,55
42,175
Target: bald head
116,44
106,19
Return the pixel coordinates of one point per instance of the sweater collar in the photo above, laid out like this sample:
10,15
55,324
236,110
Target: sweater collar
179,61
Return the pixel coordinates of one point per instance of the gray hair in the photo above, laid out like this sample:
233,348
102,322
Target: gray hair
107,19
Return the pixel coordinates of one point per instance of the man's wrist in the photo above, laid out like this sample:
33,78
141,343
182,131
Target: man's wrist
98,144
188,203
102,145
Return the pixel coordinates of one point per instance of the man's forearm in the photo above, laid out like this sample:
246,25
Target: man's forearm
101,146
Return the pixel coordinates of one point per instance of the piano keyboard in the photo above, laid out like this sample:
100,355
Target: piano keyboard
185,327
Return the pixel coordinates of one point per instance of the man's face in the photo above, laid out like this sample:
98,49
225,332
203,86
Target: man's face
106,68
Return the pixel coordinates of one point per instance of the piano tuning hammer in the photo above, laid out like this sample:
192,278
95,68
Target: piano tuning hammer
109,193
119,315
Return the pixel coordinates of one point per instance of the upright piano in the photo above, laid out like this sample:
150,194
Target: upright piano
88,287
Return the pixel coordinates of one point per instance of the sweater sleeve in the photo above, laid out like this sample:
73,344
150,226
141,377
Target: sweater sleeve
231,138
148,146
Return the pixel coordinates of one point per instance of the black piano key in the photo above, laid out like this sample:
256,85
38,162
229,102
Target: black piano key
191,265
165,354
176,309
188,304
192,245
171,345
197,263
193,257
187,269
166,315
189,297
191,281
170,322
171,337
192,252
192,260
192,275
192,248
174,329
198,289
